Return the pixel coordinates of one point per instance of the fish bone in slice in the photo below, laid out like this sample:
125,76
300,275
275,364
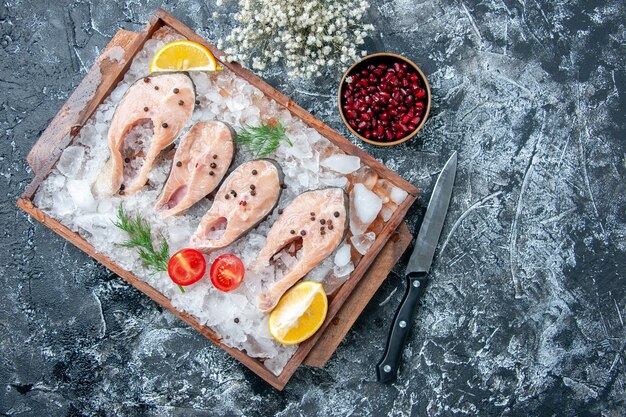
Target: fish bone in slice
317,218
244,199
201,160
162,104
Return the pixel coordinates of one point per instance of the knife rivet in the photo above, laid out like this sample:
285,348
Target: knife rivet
402,324
416,284
387,368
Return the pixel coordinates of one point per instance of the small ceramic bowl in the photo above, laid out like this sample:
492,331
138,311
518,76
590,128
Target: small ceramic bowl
387,59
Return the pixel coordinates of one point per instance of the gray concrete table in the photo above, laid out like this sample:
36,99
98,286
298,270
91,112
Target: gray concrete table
525,313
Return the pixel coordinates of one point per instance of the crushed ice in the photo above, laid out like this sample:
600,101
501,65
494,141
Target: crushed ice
66,195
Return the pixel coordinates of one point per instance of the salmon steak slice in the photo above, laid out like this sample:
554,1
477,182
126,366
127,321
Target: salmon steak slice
149,117
247,196
201,160
316,218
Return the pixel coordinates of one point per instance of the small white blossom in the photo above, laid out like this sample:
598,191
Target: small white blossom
307,36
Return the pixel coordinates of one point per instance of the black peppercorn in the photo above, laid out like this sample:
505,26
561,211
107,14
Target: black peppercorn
122,187
330,227
252,186
197,102
336,214
312,219
226,196
312,213
156,87
283,186
213,165
145,109
213,228
146,80
234,193
179,164
236,320
322,229
280,211
214,156
211,173
322,232
303,232
244,203
253,193
180,102
176,90
127,160
254,172
322,221
293,232
164,125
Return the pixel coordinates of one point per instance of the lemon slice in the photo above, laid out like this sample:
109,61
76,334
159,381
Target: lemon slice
299,313
183,56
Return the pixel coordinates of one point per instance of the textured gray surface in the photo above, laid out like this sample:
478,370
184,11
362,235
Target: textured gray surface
525,312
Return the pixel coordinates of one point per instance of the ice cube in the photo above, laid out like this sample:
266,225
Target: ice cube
342,256
63,204
342,271
387,211
80,191
364,207
334,181
71,161
363,243
341,163
398,195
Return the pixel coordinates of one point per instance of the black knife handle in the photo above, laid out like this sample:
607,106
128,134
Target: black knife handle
387,368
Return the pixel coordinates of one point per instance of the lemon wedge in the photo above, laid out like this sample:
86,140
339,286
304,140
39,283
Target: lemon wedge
183,56
299,313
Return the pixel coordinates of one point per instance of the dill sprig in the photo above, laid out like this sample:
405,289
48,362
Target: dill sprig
262,140
140,235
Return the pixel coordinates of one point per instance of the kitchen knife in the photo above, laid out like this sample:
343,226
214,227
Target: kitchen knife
417,270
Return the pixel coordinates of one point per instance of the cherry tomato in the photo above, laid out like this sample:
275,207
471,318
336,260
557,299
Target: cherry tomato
186,266
227,272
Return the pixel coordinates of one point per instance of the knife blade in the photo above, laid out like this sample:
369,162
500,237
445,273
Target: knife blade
416,272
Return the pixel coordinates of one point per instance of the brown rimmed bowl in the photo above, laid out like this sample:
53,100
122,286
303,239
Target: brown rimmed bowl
388,59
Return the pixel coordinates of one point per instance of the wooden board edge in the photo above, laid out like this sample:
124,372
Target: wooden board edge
359,298
253,364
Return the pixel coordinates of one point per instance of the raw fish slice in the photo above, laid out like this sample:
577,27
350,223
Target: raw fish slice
245,198
165,101
317,218
200,162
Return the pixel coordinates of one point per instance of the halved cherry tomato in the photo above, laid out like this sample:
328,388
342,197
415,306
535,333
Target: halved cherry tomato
227,272
186,266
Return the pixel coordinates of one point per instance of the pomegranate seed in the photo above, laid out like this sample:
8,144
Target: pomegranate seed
378,72
401,109
384,123
408,99
421,93
396,66
396,95
419,106
404,66
362,126
415,121
393,102
352,124
400,135
371,89
380,131
384,116
405,119
351,114
411,126
371,68
363,83
403,127
414,78
382,66
393,112
368,134
362,109
365,117
389,134
368,100
405,82
400,74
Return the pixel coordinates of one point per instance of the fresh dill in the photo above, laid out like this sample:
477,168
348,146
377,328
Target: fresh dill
262,140
140,238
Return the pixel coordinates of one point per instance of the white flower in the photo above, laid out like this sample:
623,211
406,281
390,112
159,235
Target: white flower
306,35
